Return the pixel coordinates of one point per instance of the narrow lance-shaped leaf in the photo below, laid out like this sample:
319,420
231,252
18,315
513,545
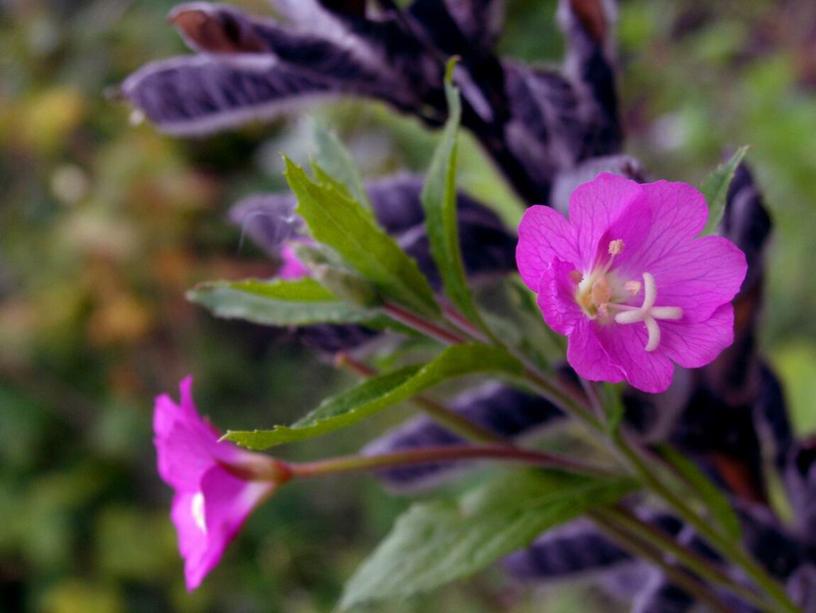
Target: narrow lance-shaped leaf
437,542
439,201
715,189
715,500
277,303
344,225
337,162
378,393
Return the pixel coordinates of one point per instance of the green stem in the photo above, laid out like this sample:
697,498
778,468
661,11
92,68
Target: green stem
636,545
732,551
692,560
446,453
573,406
415,322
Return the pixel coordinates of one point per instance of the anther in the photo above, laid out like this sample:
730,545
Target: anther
616,246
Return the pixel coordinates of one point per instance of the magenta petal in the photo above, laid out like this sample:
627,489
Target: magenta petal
227,502
588,357
596,205
692,345
699,277
192,540
556,297
544,234
679,213
292,268
186,445
632,228
625,345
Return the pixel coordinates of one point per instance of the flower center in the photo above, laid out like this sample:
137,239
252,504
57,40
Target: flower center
197,511
601,292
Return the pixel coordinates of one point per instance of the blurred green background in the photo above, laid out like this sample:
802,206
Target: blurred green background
103,225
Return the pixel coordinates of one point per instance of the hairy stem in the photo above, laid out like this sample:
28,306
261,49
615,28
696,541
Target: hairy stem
446,453
423,326
633,543
699,565
567,401
732,551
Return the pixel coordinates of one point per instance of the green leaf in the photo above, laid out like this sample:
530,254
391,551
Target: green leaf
277,302
714,499
440,204
378,393
344,225
337,165
437,542
715,189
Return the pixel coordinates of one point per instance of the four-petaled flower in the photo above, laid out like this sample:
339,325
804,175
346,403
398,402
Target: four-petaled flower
217,485
629,282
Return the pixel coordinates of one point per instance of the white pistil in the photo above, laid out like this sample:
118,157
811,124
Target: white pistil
197,511
649,314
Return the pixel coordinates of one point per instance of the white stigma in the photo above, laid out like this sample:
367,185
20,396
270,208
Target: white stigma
197,510
649,314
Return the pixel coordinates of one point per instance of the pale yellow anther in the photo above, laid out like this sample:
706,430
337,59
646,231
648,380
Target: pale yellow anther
632,287
616,246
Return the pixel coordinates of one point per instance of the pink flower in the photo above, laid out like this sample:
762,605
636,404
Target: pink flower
292,268
628,281
217,485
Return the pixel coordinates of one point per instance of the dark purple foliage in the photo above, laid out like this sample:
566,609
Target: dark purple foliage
534,123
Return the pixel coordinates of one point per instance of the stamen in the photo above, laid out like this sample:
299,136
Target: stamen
648,313
197,511
632,287
616,246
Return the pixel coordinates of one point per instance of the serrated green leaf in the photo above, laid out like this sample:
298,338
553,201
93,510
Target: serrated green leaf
378,393
345,226
336,163
715,189
714,499
277,302
434,543
440,203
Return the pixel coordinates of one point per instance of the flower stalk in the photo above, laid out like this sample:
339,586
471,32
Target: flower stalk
446,453
570,404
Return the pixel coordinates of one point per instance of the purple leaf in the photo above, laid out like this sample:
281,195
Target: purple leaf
660,596
574,550
198,95
480,20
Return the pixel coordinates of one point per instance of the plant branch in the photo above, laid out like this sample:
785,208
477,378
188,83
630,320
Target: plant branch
445,453
632,543
687,556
